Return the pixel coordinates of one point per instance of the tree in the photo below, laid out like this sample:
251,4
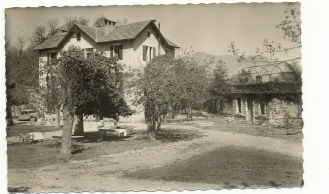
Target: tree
82,85
70,21
155,92
99,22
53,27
39,35
191,84
290,28
21,73
167,85
219,87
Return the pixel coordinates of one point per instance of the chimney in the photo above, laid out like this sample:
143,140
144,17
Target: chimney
109,26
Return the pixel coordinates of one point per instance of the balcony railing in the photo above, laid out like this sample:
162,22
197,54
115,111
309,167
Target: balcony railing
266,87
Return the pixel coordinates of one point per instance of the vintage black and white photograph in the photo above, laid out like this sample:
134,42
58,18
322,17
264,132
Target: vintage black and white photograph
154,97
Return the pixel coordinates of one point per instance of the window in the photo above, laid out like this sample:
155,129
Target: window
116,51
148,34
148,53
258,78
78,36
88,52
51,57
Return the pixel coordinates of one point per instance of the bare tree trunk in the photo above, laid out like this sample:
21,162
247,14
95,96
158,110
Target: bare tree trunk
188,113
116,120
79,131
215,107
9,117
58,117
67,133
159,122
151,133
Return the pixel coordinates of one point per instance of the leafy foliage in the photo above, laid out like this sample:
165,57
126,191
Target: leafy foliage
219,87
95,83
83,86
99,22
21,74
169,85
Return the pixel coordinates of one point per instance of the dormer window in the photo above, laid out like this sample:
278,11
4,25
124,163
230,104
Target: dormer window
78,36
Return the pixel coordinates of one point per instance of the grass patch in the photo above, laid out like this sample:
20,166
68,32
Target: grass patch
175,135
258,130
15,130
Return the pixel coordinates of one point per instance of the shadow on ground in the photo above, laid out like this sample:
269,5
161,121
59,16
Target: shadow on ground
175,135
231,166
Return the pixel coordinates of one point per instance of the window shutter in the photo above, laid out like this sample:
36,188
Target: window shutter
154,52
84,53
120,52
144,52
111,51
150,53
78,36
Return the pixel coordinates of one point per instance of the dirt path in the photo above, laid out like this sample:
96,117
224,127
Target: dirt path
103,173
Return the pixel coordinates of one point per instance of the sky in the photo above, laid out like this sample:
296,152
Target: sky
207,28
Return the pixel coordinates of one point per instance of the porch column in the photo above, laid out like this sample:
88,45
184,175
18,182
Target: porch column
247,118
236,106
253,111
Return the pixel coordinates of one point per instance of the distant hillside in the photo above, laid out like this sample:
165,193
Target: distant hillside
231,62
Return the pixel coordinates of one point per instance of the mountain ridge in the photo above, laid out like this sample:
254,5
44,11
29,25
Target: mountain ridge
231,62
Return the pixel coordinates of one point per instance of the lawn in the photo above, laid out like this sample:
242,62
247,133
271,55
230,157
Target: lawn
47,152
16,129
233,166
257,130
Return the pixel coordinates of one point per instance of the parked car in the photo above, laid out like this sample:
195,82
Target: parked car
27,114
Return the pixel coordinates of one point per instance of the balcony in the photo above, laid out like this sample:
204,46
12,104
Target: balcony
266,87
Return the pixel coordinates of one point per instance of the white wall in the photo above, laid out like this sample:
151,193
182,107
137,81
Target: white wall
132,51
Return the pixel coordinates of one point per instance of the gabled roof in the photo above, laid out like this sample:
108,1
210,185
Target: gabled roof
51,42
171,43
122,32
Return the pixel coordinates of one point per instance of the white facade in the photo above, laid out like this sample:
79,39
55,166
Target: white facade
136,53
132,49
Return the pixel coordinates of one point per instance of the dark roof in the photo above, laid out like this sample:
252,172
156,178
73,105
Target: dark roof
51,42
90,31
122,32
171,43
